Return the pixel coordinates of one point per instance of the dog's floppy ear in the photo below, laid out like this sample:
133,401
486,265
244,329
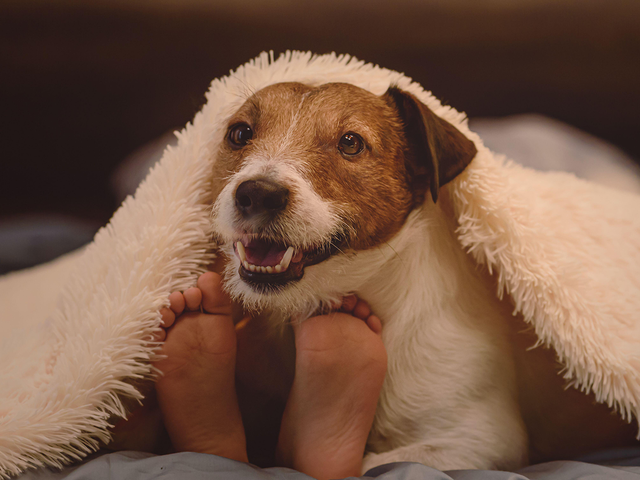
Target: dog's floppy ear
440,151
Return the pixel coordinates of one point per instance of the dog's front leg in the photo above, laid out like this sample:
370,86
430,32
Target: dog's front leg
446,406
427,454
501,445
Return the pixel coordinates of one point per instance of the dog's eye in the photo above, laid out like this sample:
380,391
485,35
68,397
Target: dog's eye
351,144
239,135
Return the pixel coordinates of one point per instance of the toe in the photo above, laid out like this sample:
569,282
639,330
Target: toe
348,303
176,302
193,298
361,310
168,317
375,324
160,335
214,299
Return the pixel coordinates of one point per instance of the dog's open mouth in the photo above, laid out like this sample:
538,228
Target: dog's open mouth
265,261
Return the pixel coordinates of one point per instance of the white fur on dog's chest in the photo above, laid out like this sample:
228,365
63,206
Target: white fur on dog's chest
450,369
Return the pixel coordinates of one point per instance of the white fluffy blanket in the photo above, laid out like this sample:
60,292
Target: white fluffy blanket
75,332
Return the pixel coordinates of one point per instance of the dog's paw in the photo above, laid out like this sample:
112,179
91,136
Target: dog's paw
373,460
435,457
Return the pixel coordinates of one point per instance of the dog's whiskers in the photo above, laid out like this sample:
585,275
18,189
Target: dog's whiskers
396,253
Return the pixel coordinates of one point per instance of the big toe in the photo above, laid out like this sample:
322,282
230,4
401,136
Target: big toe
214,299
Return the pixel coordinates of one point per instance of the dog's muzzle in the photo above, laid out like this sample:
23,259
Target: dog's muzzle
267,262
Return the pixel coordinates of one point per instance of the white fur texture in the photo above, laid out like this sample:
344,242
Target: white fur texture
566,251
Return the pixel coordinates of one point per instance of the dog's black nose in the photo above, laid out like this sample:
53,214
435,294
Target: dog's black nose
260,196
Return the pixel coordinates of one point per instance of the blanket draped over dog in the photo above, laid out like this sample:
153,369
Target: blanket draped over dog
76,334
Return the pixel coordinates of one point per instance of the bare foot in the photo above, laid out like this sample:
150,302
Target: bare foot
196,392
340,367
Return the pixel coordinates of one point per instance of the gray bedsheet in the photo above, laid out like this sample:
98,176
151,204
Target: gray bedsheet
197,466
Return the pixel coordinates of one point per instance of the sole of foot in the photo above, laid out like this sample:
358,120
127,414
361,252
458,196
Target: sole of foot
340,367
196,391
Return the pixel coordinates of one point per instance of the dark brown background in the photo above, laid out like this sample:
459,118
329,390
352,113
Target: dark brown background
82,84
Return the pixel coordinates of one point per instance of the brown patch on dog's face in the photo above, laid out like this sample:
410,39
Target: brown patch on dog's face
371,186
268,113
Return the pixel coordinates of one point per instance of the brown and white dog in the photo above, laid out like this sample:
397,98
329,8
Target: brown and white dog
330,190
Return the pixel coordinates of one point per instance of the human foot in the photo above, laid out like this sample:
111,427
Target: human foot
196,392
340,367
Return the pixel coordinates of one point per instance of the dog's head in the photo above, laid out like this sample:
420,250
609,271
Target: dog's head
307,176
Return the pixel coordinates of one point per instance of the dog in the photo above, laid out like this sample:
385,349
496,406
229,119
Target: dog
330,190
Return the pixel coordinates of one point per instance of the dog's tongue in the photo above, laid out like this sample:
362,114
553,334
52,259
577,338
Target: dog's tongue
263,253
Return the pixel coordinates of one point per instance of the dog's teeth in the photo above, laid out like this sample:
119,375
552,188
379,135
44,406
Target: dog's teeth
241,253
297,257
286,259
281,267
